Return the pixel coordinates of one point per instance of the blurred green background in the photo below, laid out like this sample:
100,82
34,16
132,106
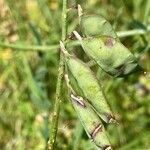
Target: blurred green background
28,76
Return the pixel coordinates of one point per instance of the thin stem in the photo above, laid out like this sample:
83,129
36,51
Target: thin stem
35,48
29,47
56,111
120,34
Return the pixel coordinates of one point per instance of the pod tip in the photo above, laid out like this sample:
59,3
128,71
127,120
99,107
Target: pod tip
111,119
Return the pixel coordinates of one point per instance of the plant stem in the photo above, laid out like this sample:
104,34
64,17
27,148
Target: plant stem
23,47
133,32
120,34
56,111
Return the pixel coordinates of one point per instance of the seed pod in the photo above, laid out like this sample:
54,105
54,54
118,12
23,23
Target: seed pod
96,25
91,122
85,84
112,56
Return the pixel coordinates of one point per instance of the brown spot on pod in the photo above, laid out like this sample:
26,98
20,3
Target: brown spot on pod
107,147
96,130
109,42
78,100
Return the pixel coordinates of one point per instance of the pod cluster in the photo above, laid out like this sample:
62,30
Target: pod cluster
88,100
102,45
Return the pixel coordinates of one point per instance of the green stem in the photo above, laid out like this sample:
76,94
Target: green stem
120,34
56,111
35,48
133,32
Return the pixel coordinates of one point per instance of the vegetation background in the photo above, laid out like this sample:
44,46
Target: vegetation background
29,69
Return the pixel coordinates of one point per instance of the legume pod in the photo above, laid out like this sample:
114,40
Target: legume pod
112,56
96,25
91,122
86,85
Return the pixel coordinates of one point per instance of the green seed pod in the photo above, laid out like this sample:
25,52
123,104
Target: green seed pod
85,84
96,25
82,77
91,122
112,56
